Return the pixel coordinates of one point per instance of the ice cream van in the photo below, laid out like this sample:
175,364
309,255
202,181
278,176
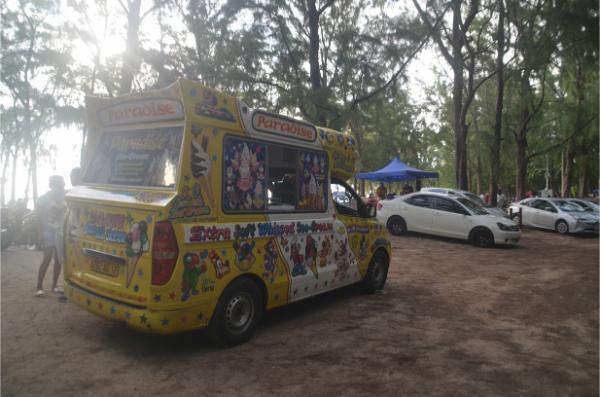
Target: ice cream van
197,211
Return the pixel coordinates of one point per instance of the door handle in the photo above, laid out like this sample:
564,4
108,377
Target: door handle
436,213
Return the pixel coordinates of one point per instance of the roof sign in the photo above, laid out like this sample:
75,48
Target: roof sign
141,111
280,125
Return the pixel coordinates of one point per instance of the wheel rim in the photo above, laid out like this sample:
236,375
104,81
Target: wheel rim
396,227
562,227
239,313
482,239
378,272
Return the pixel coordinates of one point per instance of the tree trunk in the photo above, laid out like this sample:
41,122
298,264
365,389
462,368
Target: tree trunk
521,169
478,176
4,172
13,182
33,171
131,58
578,127
460,140
581,192
497,142
313,59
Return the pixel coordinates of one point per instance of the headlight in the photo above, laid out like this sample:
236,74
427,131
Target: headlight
502,226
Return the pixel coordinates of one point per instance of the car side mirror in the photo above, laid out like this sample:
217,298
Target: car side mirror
370,211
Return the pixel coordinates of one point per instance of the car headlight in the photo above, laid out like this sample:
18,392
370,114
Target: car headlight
503,227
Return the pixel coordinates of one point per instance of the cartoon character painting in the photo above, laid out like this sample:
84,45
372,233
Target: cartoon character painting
193,268
325,251
270,261
137,243
297,259
310,255
221,267
244,258
341,259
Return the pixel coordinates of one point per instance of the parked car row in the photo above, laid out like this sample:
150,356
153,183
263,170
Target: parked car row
563,215
460,214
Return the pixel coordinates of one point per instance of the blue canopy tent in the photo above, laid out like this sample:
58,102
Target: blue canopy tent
395,171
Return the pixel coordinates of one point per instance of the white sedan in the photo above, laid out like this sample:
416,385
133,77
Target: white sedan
446,215
555,214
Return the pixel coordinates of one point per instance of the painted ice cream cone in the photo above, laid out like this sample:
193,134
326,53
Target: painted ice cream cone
206,188
131,262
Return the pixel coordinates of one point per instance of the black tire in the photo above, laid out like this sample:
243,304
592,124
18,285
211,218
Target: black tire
396,225
561,227
237,314
482,237
376,273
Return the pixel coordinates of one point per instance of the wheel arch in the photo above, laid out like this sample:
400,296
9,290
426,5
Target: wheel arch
256,280
481,227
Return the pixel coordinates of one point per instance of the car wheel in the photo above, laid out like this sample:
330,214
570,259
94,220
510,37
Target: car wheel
396,225
482,237
237,314
562,227
376,273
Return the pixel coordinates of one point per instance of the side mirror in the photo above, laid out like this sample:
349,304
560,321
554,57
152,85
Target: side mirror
370,210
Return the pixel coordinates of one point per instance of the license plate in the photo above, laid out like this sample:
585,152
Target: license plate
104,267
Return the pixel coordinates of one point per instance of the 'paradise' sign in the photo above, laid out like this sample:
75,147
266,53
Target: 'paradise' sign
279,125
141,111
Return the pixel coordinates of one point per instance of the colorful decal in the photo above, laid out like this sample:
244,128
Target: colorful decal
270,261
325,251
222,268
227,232
188,203
312,181
244,179
341,259
311,254
201,166
284,126
209,107
244,258
137,243
141,111
194,267
362,250
105,226
144,158
297,258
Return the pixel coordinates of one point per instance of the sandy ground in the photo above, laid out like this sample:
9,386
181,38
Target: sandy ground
453,320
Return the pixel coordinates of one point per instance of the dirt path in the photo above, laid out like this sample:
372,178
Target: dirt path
453,320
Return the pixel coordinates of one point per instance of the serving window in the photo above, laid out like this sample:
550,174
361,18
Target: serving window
264,177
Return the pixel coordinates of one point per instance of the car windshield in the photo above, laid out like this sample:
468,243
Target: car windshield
566,206
474,207
474,198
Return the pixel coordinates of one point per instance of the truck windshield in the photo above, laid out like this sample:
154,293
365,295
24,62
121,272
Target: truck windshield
143,157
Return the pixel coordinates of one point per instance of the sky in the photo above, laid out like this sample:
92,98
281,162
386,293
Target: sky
65,143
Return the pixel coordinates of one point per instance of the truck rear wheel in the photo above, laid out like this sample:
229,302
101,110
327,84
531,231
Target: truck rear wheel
237,314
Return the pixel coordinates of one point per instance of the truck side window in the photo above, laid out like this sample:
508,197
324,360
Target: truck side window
346,200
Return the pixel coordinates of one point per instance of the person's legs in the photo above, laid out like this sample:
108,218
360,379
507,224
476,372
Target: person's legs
48,251
57,267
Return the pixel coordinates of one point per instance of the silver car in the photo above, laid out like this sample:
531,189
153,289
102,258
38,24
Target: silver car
587,205
555,214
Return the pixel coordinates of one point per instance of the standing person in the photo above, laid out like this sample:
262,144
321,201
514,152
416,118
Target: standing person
51,210
500,199
75,176
381,191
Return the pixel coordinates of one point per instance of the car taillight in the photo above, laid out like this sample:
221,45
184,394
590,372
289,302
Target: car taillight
164,253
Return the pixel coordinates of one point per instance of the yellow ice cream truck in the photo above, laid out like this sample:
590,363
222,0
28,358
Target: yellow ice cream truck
196,211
